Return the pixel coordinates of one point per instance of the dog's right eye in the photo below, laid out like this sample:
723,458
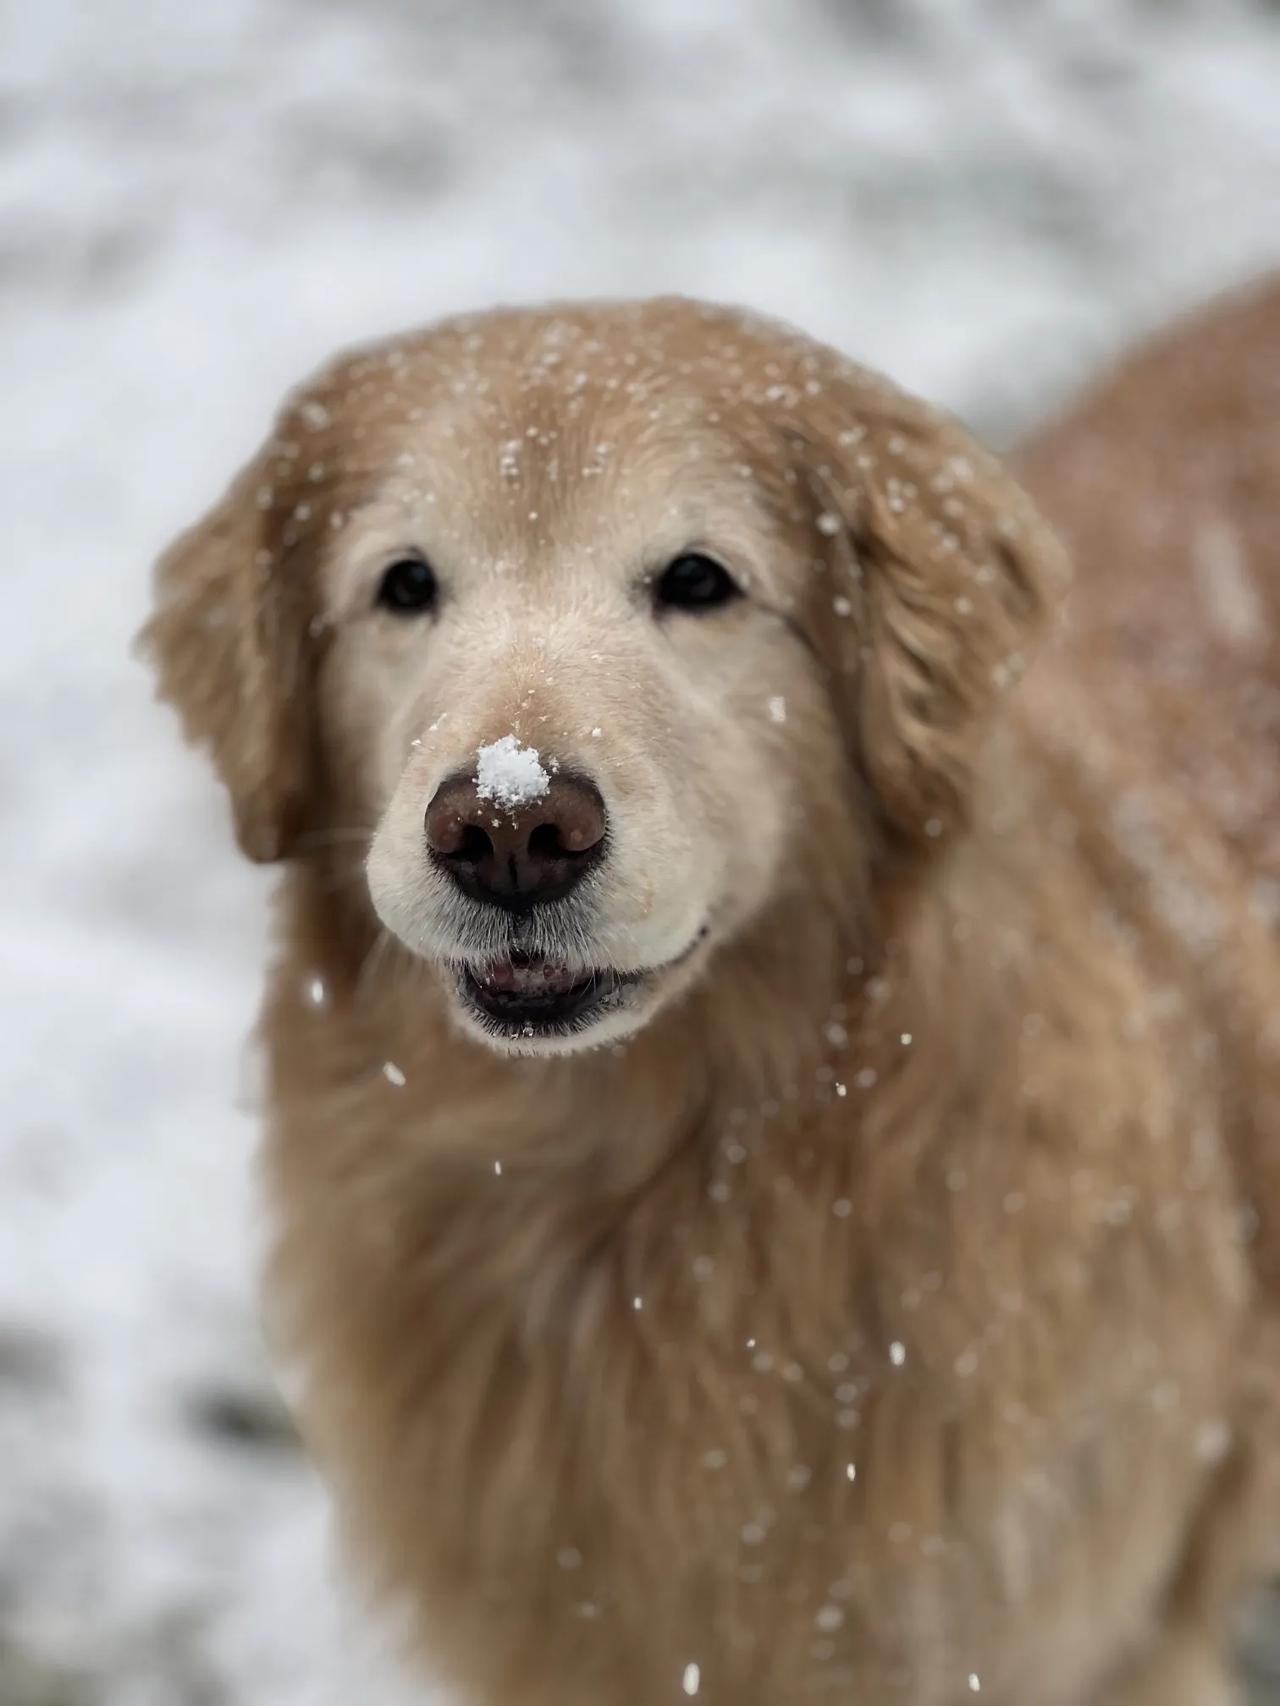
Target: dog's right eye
695,582
408,587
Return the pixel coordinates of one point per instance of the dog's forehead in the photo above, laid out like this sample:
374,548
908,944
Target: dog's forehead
517,428
534,373
582,345
544,378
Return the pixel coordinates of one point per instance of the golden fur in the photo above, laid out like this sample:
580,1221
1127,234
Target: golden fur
882,1313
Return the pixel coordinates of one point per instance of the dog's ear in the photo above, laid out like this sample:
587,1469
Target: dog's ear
228,643
938,573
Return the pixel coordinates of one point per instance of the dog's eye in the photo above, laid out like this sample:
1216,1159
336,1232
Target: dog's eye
695,582
407,587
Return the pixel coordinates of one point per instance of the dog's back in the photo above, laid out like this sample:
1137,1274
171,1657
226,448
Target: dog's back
1164,480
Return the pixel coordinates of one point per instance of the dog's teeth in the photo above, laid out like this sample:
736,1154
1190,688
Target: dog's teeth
542,978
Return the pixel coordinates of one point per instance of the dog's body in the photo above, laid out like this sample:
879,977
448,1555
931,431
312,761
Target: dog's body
887,1316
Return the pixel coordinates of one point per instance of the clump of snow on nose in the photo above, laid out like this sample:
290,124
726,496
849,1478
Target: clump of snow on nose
510,774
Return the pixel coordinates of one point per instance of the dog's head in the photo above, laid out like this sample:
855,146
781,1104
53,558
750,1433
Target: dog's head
611,626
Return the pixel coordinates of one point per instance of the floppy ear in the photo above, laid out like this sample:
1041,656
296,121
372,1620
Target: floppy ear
941,572
227,641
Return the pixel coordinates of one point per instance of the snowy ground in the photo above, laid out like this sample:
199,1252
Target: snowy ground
196,203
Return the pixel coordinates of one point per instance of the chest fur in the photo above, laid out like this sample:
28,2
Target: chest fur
785,1415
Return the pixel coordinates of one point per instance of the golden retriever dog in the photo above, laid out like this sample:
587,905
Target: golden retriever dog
773,1085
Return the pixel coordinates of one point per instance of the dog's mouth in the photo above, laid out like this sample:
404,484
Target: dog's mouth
527,995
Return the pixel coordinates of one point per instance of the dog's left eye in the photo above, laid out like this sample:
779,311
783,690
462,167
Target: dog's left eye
407,587
695,582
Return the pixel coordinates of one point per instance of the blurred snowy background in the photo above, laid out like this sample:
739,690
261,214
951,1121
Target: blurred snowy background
986,197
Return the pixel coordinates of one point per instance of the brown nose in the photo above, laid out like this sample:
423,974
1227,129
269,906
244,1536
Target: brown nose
516,856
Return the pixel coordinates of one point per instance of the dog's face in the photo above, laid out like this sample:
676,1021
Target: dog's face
611,627
562,669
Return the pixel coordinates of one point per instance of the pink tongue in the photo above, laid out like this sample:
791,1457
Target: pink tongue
537,979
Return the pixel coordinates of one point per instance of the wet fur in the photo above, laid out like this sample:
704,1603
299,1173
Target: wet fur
894,1308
